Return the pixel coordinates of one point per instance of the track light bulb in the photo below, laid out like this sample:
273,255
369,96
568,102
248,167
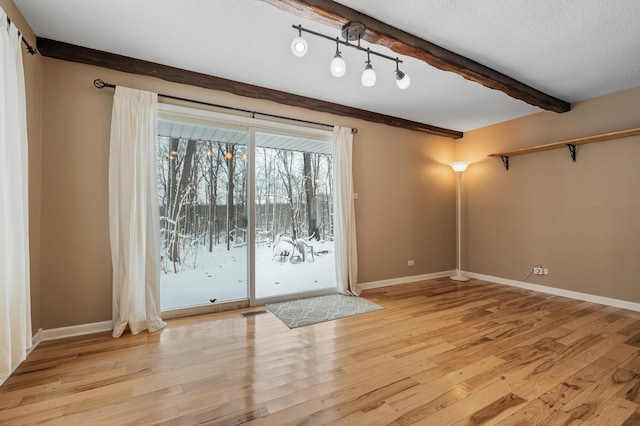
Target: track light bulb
338,66
368,76
402,80
299,46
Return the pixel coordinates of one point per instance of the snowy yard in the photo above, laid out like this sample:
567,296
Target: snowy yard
222,275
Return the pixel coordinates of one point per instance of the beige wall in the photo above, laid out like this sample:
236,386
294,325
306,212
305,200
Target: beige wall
404,211
33,83
405,208
580,220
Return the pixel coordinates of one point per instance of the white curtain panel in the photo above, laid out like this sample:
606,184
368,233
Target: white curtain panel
344,213
134,216
15,304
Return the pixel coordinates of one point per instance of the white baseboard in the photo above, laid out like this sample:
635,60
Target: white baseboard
35,341
404,280
76,330
608,301
624,304
61,333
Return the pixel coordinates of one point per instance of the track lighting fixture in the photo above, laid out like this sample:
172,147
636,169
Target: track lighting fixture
368,75
352,32
402,79
338,66
299,45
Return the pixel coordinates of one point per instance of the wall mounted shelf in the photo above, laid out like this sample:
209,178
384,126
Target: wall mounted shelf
570,144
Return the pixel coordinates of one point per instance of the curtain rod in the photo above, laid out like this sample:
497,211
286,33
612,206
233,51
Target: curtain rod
29,47
101,84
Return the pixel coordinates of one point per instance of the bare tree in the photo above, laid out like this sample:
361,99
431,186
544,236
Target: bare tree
229,154
180,193
240,174
310,172
211,176
285,168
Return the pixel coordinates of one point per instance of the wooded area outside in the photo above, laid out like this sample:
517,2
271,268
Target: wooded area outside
203,198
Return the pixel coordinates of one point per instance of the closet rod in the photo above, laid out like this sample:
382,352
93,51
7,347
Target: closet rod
101,84
29,47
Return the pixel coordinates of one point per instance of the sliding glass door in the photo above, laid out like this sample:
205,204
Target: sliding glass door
202,175
245,212
293,215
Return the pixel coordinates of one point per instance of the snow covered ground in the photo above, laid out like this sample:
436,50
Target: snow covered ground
222,275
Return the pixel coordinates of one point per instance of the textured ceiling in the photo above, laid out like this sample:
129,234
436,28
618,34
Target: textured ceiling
570,49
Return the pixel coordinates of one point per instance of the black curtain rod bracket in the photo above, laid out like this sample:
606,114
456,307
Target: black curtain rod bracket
101,84
32,50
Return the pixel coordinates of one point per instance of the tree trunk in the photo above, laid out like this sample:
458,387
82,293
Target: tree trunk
213,195
229,154
312,215
285,175
173,176
180,198
329,194
275,219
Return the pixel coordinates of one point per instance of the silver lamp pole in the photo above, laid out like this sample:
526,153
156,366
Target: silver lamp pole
459,167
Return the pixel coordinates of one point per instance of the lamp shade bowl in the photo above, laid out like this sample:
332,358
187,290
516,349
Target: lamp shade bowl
402,80
459,166
338,66
368,76
299,46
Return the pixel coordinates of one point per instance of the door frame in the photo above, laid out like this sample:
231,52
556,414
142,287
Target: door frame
252,126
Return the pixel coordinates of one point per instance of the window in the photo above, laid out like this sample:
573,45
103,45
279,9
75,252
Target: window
209,210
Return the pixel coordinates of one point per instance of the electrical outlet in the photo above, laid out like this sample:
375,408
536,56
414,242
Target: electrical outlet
539,270
410,263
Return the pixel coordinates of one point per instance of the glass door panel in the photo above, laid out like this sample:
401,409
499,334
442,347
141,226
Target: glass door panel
202,176
293,215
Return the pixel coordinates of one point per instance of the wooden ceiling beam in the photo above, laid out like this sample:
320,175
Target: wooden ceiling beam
336,15
84,55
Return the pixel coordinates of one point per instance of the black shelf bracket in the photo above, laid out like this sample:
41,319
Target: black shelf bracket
505,161
571,144
572,152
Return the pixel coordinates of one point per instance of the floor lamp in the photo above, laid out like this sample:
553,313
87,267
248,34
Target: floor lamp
459,167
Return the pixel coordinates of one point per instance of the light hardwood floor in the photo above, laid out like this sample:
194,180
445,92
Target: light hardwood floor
440,353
